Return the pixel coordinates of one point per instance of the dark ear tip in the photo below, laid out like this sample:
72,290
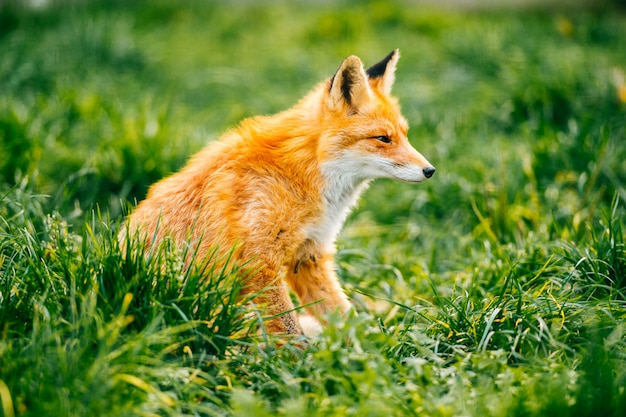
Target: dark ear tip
378,69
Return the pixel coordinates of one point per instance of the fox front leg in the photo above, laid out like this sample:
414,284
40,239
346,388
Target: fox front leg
314,280
273,298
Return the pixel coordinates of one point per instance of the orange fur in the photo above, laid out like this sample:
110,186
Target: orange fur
278,188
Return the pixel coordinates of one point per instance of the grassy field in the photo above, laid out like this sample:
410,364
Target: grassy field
497,288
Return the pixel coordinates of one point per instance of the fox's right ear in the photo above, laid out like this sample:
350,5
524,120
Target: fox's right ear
383,74
349,86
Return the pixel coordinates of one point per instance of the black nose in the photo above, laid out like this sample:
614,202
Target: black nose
429,171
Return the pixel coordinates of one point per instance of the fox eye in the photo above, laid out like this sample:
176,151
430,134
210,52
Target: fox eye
383,139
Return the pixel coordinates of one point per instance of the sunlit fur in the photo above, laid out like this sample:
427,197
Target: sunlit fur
278,188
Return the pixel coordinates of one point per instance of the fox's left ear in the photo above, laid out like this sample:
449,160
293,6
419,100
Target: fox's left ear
383,74
349,86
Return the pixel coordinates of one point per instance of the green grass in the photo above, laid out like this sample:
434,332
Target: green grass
497,288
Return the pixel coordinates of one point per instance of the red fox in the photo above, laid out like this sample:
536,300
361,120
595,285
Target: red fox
276,190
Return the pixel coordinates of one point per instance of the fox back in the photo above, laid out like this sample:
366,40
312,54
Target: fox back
276,190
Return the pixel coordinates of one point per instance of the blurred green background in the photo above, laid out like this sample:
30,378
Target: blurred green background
100,99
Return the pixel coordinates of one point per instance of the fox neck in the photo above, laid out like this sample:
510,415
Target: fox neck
343,186
340,194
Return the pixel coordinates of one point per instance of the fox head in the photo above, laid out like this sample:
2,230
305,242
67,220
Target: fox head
365,134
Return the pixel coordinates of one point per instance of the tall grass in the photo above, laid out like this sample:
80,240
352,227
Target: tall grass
92,329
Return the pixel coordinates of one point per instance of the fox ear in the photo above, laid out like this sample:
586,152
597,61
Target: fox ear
383,74
349,85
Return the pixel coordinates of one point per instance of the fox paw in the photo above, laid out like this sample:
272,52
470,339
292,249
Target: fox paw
310,326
